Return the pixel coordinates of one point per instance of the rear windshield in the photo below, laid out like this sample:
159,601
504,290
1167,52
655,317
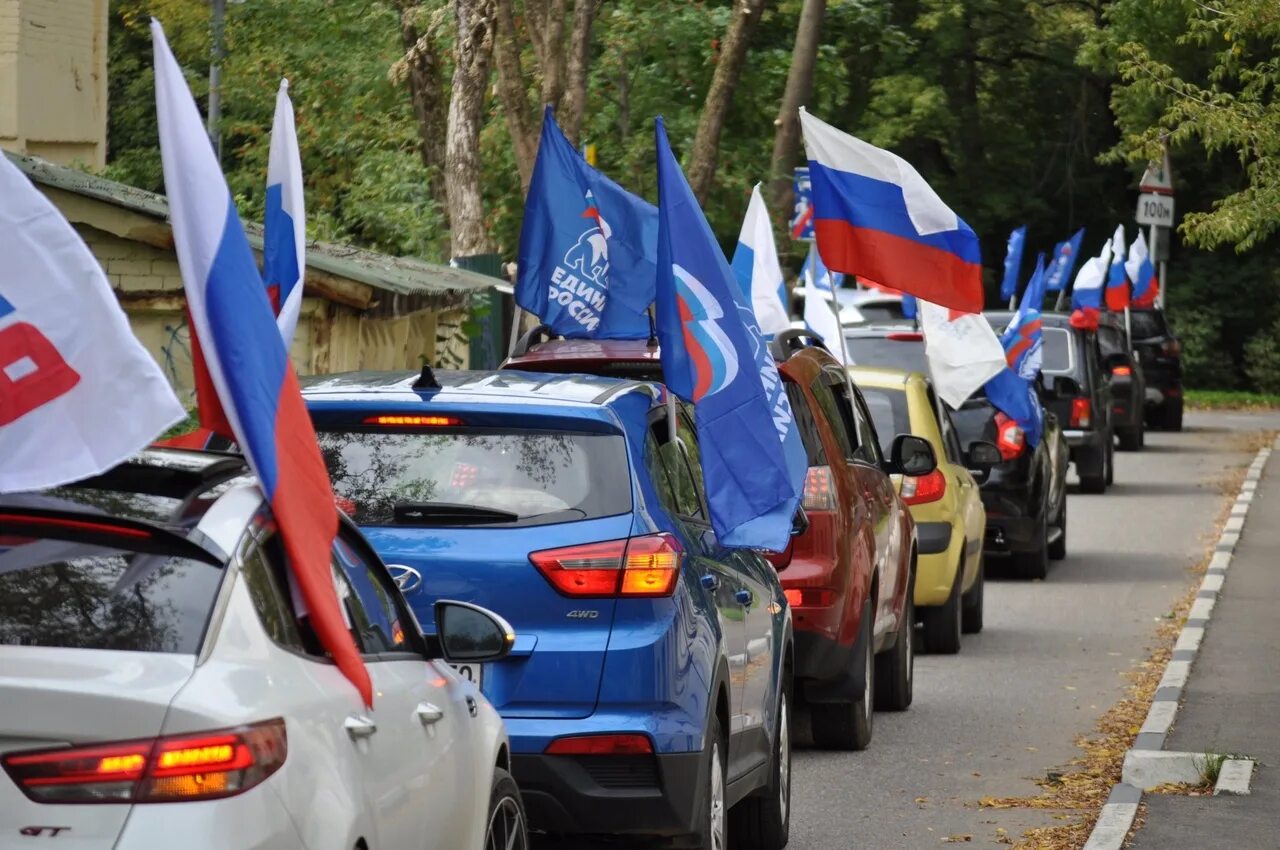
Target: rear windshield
1146,324
974,419
907,355
888,413
1057,351
875,313
68,594
472,478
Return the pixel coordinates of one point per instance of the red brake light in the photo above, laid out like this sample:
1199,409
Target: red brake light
638,566
601,745
926,488
75,525
905,336
819,489
1010,439
810,597
1172,348
176,767
1122,371
1080,412
399,421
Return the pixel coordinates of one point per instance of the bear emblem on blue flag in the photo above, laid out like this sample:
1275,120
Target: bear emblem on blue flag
715,362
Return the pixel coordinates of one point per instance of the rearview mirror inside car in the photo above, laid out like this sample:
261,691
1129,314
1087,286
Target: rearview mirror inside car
912,456
1065,387
469,633
982,456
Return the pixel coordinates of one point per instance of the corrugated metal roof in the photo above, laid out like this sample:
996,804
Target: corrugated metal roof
399,275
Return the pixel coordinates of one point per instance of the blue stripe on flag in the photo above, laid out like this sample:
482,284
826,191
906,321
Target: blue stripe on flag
247,345
279,251
5,307
743,265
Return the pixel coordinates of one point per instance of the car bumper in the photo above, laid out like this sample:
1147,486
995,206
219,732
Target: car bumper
652,795
821,658
938,549
255,820
1083,438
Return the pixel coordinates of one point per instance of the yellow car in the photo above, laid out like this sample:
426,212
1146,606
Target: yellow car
946,505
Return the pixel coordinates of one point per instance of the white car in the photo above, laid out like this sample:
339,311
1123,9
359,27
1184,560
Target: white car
862,306
158,689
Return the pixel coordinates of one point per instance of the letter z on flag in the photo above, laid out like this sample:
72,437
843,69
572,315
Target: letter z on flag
247,360
876,217
78,392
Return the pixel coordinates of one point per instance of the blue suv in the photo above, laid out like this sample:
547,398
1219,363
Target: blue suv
648,692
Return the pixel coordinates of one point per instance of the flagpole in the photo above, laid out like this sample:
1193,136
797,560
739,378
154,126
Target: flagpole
516,314
1062,293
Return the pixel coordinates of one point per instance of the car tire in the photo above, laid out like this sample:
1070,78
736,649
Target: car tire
763,820
713,820
896,668
1173,415
1092,469
1130,438
1111,463
507,826
848,725
971,605
1035,563
1058,548
942,623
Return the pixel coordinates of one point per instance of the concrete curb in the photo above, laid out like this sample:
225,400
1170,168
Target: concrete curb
1146,764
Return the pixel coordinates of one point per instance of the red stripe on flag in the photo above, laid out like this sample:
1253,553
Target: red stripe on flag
904,264
1117,297
209,408
304,507
802,222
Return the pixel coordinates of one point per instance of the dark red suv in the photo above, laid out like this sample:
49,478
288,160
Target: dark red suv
847,576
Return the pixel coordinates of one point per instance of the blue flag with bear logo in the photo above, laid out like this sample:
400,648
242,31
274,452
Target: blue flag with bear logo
714,356
587,247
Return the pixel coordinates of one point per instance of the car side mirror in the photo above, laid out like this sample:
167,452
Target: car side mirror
469,633
980,458
912,456
799,522
1065,387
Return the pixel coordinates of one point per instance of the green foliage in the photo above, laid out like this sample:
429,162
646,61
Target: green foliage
1262,359
1204,362
1230,400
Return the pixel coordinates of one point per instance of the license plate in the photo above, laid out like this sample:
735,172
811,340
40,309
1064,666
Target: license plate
473,673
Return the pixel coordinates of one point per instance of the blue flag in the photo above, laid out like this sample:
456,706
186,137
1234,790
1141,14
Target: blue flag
713,356
1064,262
1012,263
1012,391
908,306
587,247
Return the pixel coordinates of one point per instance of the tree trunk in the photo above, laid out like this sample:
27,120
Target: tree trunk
425,73
706,143
553,57
575,99
786,138
468,232
522,123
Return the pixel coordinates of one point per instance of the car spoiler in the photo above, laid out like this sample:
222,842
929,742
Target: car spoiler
104,530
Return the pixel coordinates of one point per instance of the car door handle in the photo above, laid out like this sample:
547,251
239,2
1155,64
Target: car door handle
428,713
359,726
710,581
743,596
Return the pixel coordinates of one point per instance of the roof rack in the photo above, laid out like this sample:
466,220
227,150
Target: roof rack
794,339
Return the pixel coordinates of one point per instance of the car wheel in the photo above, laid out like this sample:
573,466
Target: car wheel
1130,438
1058,548
1111,463
971,612
1173,415
1035,563
507,828
713,830
1092,469
896,669
942,623
848,725
763,821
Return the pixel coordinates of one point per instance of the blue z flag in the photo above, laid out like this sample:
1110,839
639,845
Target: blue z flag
714,357
587,247
1012,263
1064,262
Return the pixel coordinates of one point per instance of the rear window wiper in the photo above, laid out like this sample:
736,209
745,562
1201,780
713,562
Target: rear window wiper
449,513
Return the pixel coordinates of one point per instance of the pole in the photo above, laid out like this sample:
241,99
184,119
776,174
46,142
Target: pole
215,77
516,315
1151,237
1128,332
671,416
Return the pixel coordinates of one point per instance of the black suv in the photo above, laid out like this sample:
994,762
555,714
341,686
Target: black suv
1161,356
1025,495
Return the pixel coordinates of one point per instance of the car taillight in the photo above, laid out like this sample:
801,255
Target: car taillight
819,489
600,745
1010,439
1171,347
1122,371
410,421
925,488
810,597
1080,412
201,766
635,566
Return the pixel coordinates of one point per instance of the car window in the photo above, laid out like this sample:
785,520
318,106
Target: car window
1058,356
689,439
269,591
658,474
903,351
827,403
868,443
950,439
376,623
806,424
1111,341
888,409
1146,324
671,468
386,477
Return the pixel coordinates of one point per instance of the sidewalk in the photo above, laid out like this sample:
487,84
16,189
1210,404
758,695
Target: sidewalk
1232,699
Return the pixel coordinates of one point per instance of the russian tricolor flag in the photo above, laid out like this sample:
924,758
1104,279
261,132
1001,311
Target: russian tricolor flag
876,217
285,227
1086,292
755,264
247,361
1146,286
1117,279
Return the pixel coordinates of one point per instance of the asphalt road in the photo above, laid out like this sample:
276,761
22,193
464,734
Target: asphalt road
1048,664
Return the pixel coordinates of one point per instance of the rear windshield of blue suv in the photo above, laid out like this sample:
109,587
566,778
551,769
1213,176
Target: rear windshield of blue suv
508,478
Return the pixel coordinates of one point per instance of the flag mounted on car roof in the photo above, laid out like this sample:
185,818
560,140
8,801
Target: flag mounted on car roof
247,360
1117,280
78,392
1012,264
875,216
755,264
1086,292
713,356
585,265
1023,338
1141,271
1064,260
962,350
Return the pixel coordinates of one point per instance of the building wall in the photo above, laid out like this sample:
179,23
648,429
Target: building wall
53,79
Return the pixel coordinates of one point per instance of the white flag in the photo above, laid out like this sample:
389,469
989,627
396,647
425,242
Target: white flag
820,306
78,392
755,264
284,234
964,352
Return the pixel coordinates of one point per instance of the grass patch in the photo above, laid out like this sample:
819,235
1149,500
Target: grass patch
1230,400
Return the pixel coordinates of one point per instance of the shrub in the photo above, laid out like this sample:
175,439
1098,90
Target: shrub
1205,361
1262,359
